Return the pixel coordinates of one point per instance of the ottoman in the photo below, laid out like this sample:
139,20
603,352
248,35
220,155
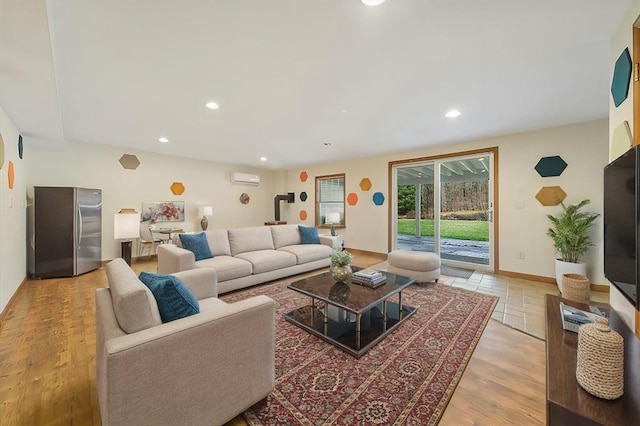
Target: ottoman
420,265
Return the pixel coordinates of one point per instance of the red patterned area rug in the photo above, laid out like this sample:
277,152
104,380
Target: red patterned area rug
406,379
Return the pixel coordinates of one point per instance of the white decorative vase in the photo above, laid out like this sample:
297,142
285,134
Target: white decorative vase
563,267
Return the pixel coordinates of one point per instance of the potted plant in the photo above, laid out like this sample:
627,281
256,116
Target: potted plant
570,234
340,265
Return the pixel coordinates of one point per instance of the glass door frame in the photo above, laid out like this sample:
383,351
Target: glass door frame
492,152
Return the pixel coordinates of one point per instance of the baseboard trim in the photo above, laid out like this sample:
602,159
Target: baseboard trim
11,302
381,256
550,280
530,277
600,287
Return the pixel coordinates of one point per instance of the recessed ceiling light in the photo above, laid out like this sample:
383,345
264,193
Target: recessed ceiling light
372,2
212,105
263,158
453,113
163,140
327,144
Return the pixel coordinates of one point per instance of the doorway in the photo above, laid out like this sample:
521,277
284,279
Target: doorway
445,205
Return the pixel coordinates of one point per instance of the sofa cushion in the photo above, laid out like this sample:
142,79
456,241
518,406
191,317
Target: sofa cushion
285,235
218,241
306,253
268,260
227,267
198,244
174,298
133,303
309,234
244,240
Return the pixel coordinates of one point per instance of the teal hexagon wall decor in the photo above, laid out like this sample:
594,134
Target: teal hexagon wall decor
303,196
621,78
378,198
551,166
20,148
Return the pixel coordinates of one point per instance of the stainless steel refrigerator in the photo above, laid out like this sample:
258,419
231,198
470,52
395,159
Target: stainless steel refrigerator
66,226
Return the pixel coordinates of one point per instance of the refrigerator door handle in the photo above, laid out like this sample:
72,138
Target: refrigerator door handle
79,227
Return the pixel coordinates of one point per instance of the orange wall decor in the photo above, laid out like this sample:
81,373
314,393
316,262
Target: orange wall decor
10,173
303,176
177,188
303,215
365,184
352,199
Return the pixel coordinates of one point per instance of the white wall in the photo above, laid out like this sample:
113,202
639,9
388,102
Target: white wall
623,38
583,146
206,183
12,214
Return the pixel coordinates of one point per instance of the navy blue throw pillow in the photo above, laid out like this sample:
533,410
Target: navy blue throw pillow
309,234
198,244
173,297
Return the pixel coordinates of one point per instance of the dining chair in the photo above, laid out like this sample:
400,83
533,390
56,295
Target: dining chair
147,240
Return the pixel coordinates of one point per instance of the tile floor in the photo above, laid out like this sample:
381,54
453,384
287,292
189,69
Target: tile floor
521,303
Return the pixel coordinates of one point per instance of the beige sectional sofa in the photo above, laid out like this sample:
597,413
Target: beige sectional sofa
203,369
247,256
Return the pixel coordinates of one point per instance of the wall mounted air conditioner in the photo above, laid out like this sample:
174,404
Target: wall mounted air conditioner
245,178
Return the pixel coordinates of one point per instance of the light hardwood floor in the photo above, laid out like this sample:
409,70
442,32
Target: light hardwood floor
47,362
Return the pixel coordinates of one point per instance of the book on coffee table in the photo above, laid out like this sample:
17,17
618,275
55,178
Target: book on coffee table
369,277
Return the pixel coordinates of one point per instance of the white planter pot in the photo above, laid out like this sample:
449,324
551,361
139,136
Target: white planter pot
568,268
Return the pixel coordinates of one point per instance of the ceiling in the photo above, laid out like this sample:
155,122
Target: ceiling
299,81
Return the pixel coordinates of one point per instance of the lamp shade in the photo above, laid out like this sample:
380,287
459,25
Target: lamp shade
205,211
126,224
333,217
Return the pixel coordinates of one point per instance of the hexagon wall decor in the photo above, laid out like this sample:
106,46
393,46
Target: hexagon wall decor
129,161
20,149
550,166
621,78
303,215
177,188
365,184
352,199
550,195
303,176
10,175
621,140
303,196
378,198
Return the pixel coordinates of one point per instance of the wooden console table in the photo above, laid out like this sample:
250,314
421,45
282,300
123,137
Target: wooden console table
569,404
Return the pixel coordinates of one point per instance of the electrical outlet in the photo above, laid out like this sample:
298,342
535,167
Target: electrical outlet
521,254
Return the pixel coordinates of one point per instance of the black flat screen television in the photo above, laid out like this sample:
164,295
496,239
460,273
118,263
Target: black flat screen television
621,215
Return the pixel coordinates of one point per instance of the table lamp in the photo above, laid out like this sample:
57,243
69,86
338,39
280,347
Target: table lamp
205,211
333,218
126,226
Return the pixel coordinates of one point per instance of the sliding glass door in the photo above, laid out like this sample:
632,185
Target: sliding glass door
445,206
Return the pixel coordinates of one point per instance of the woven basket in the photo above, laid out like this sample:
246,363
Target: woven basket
600,360
576,287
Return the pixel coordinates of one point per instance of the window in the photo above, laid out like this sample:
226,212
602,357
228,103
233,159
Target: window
330,199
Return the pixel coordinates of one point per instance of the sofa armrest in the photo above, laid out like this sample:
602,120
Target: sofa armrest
203,369
203,282
172,259
326,240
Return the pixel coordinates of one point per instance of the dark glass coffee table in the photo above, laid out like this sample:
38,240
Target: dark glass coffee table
350,316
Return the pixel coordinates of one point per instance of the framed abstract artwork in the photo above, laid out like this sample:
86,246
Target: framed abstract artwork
162,211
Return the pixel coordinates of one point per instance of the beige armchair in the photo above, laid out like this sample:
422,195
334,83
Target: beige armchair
203,369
